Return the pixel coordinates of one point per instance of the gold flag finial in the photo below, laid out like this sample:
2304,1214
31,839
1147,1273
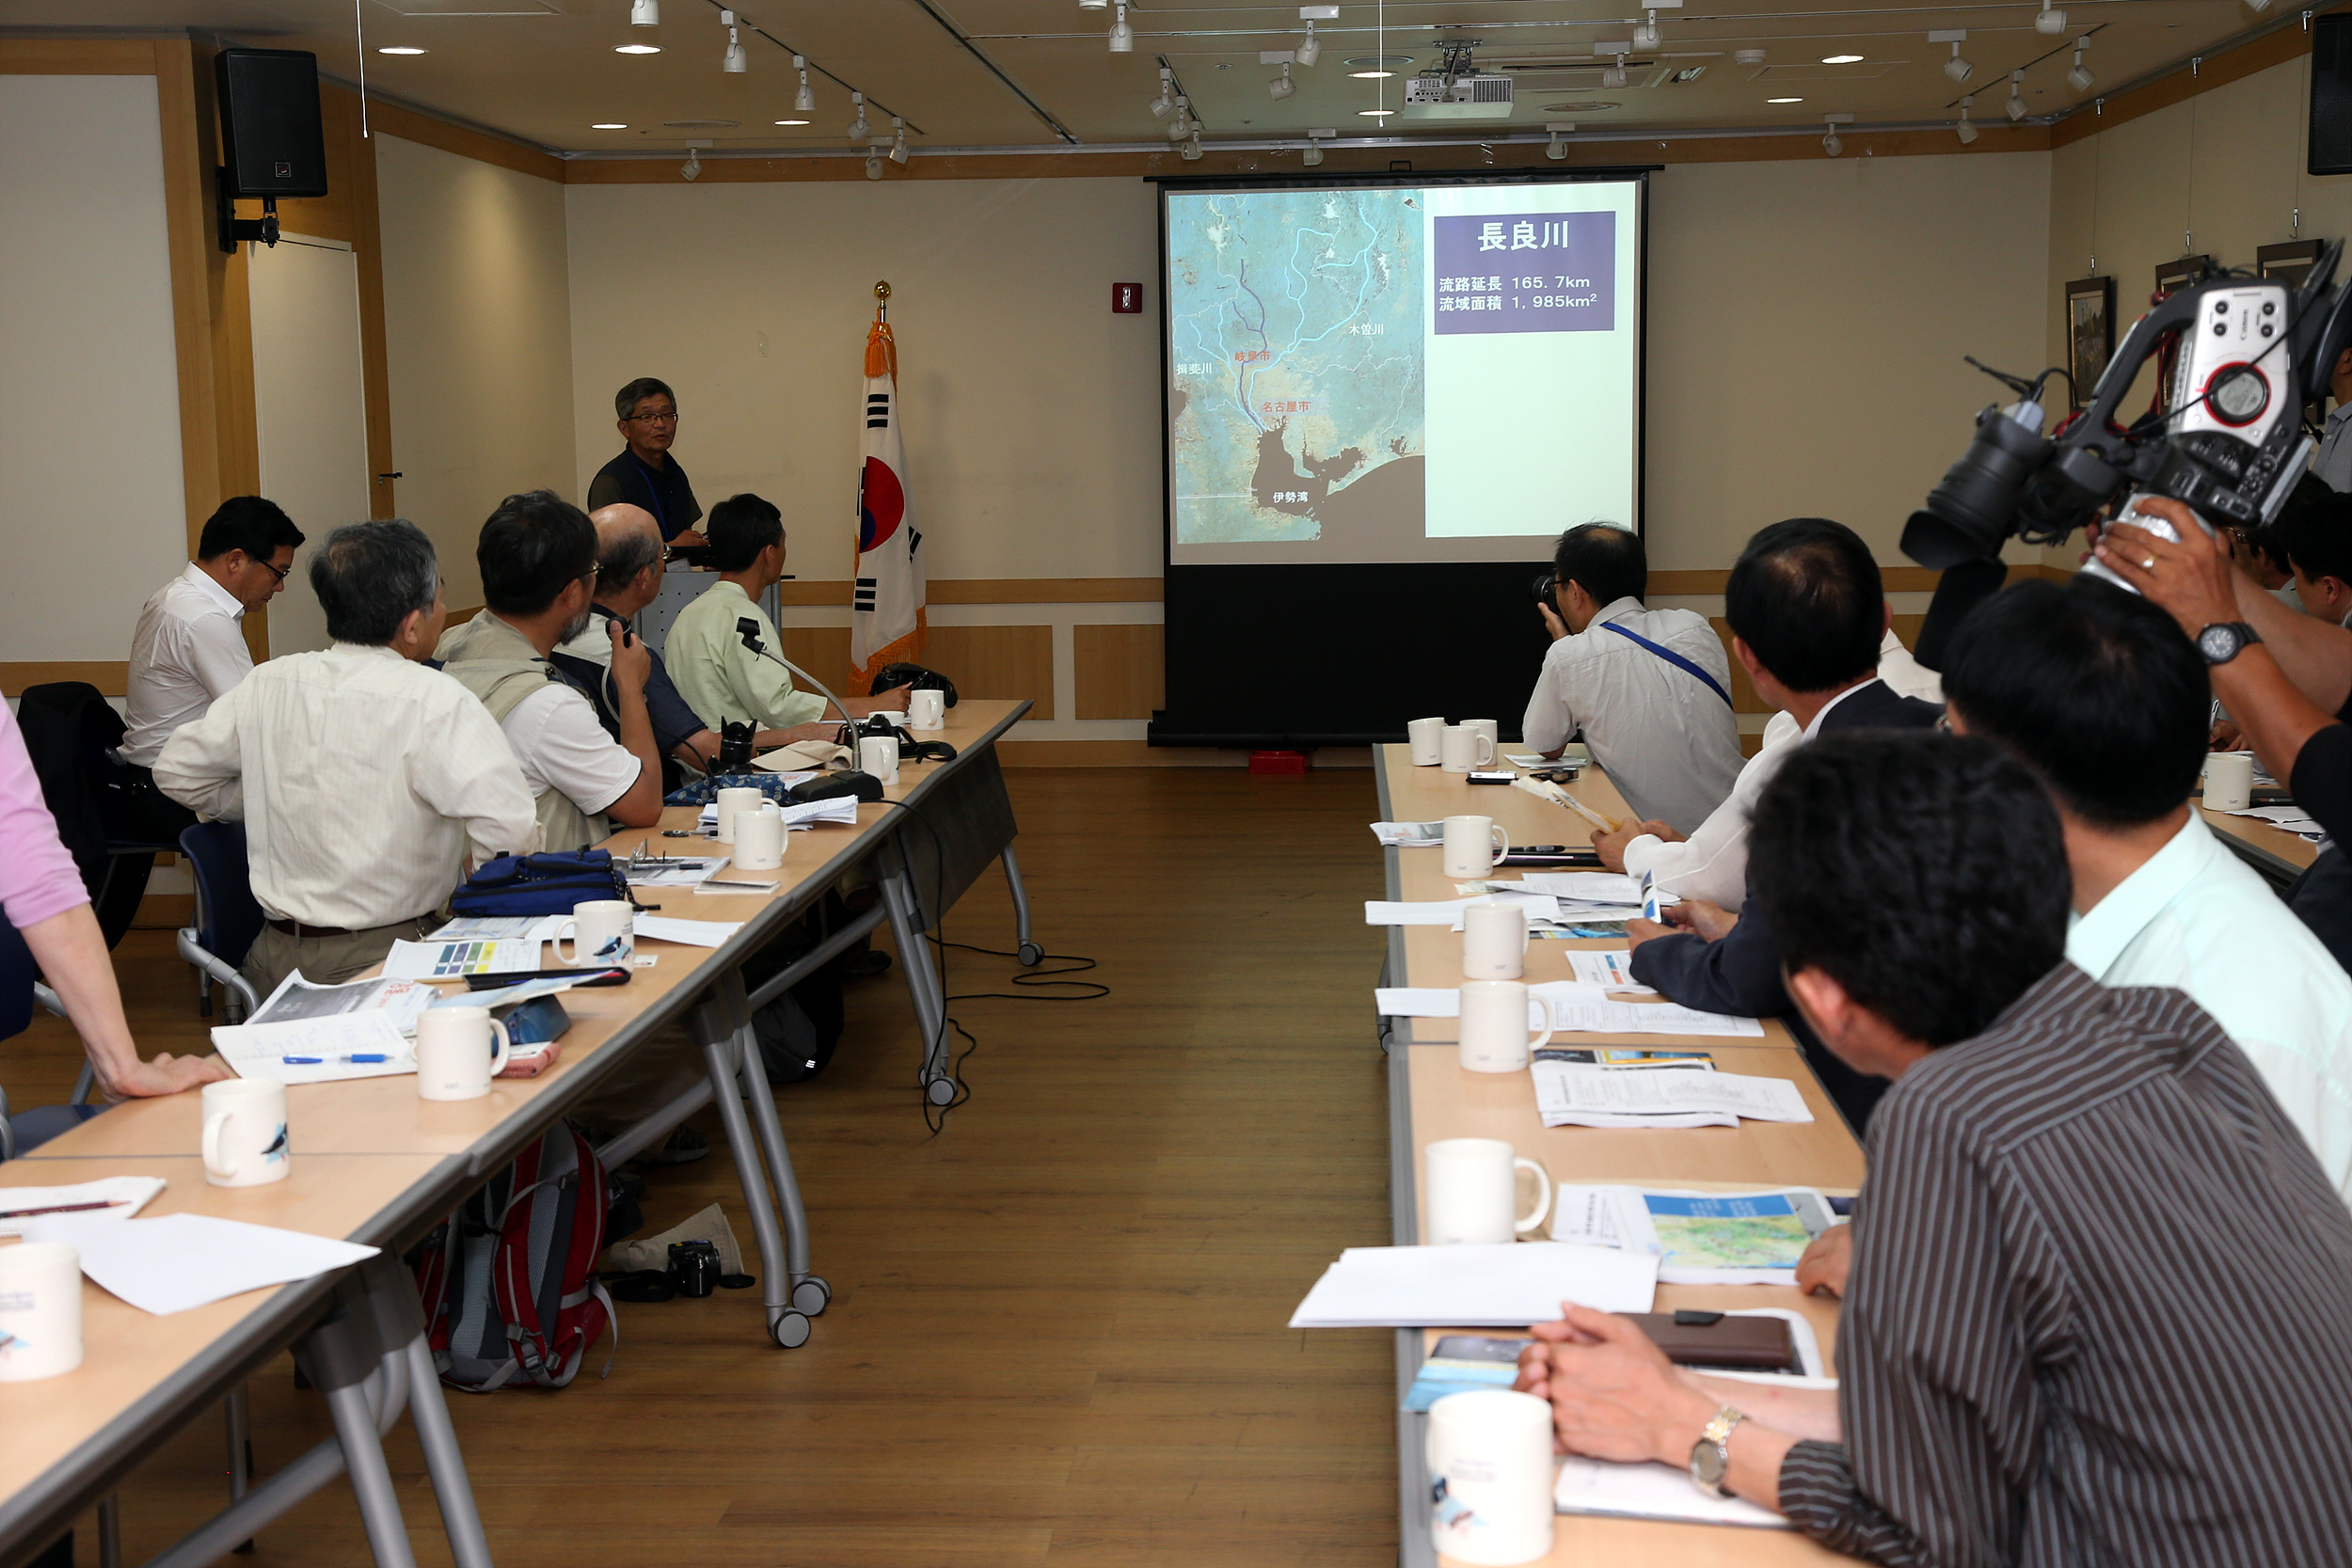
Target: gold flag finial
882,291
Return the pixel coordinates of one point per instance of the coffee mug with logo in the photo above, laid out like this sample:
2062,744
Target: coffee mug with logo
1464,748
729,801
1424,736
245,1143
601,931
1502,1026
40,1310
1472,845
459,1050
1473,1193
759,839
1494,942
1491,1472
879,755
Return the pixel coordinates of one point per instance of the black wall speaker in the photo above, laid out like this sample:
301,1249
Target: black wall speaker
2332,94
270,140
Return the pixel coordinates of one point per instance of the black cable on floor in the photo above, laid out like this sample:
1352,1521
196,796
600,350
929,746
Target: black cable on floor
1034,979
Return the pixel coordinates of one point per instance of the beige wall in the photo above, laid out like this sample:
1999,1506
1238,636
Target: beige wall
1031,412
477,315
86,331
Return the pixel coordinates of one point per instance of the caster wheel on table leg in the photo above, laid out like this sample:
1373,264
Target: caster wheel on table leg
1031,954
791,1330
938,1091
812,1295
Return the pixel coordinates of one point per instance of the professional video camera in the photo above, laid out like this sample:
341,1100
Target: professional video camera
2229,441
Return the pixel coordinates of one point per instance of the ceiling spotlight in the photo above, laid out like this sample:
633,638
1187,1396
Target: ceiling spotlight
1556,149
1282,87
399,48
859,130
1956,68
2017,104
692,167
1645,35
805,101
1841,59
608,125
1123,35
1165,103
2051,21
1784,101
1313,155
1747,56
898,143
1189,150
2080,78
873,165
1374,113
1179,124
1967,132
645,13
1831,145
734,64
637,49
1310,48
1615,76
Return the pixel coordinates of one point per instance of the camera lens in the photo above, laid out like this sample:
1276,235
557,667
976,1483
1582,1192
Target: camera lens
1975,507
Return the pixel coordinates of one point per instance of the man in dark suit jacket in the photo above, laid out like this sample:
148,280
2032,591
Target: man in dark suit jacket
1807,612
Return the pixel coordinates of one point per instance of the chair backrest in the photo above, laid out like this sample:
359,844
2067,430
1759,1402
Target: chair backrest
68,726
17,974
227,916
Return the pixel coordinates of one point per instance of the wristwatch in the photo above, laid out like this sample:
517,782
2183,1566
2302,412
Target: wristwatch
1710,1458
2224,641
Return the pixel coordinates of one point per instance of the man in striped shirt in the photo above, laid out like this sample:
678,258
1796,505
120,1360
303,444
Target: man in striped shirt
2101,1308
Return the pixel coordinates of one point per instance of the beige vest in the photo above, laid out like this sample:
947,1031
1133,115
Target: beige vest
498,664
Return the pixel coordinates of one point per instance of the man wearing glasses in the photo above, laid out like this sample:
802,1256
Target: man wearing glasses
646,474
188,651
538,560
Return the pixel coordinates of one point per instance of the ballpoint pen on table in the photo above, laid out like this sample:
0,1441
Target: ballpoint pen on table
362,1056
63,1208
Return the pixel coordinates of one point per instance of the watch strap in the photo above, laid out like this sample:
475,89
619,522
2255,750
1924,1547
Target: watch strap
1718,1429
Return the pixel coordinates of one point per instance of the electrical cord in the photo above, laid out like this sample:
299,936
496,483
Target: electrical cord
1035,979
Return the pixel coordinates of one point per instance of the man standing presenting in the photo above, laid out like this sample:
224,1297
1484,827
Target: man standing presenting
189,649
1650,688
716,671
645,474
361,776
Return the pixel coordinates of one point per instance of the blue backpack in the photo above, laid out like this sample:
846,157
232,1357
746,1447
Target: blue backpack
547,884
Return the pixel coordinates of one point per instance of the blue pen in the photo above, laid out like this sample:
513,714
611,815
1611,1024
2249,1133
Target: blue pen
322,1061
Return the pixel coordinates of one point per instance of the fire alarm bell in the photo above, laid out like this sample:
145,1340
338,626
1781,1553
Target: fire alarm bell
1127,299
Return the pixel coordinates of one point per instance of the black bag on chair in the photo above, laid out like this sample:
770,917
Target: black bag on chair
892,676
798,1031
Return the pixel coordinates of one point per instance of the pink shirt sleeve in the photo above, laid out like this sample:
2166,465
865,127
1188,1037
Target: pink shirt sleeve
38,878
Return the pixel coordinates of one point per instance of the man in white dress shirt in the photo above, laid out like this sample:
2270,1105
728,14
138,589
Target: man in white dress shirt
2333,461
189,649
364,778
1650,688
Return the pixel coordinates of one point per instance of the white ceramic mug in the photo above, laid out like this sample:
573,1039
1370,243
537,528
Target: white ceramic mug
1472,845
2229,780
1492,731
1490,1472
879,755
459,1050
729,801
1463,747
1426,736
1494,942
759,837
602,931
927,709
1472,1185
245,1132
40,1310
1502,1026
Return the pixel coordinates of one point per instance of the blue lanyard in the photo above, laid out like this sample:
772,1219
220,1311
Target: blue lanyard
1671,657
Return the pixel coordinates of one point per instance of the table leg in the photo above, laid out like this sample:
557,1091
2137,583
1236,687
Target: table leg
237,1413
923,988
809,1293
437,1436
110,1532
723,1031
1029,952
370,1476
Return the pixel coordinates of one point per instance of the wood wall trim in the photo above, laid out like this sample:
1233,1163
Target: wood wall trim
398,119
367,244
79,56
2213,70
821,591
112,676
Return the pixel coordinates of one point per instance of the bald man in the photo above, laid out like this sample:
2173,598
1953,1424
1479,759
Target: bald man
629,575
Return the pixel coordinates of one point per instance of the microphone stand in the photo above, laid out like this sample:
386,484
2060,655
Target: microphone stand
747,629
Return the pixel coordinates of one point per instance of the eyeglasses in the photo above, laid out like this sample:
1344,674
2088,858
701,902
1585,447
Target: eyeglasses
282,573
671,418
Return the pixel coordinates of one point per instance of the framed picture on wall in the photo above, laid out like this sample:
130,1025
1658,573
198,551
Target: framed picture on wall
2287,263
2185,273
2089,332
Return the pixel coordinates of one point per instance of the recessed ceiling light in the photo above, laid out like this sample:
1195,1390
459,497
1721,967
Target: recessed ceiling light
1840,60
399,48
608,125
637,49
1375,114
1372,76
793,122
1784,101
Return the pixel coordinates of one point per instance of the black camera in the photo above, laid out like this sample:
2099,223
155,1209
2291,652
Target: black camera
1546,581
2235,353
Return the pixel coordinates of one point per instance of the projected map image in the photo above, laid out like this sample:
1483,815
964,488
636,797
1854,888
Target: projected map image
1295,347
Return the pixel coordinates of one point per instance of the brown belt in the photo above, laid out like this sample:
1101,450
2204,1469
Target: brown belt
296,930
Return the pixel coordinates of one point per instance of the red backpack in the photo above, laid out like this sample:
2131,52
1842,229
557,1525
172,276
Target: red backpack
509,1286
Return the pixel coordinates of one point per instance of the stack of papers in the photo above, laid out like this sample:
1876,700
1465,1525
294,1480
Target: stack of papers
124,1196
1577,1007
674,870
307,1034
1611,969
1651,1491
2291,819
296,999
1399,836
1572,1095
1448,912
185,1260
841,808
1507,1285
691,933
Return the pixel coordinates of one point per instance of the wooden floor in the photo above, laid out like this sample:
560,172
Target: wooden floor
1056,1334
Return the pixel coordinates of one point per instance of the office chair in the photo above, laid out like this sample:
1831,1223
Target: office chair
68,727
227,917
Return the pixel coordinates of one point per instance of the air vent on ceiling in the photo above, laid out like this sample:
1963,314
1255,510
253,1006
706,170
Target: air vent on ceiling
701,124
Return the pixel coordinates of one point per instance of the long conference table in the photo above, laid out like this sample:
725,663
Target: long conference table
374,1165
1431,1097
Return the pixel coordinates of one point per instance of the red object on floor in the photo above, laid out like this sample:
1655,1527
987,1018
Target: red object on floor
1282,763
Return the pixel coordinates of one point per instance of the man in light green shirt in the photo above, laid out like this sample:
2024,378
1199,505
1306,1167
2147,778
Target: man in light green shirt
721,678
2097,691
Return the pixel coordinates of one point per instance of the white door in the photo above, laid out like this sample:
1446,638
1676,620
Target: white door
310,402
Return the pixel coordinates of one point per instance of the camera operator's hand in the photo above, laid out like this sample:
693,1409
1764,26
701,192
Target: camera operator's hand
1552,622
2190,580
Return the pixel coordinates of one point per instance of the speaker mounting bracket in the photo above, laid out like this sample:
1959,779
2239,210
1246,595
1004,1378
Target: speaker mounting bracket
234,229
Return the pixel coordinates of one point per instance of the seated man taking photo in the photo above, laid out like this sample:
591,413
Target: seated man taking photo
2101,1292
1649,688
